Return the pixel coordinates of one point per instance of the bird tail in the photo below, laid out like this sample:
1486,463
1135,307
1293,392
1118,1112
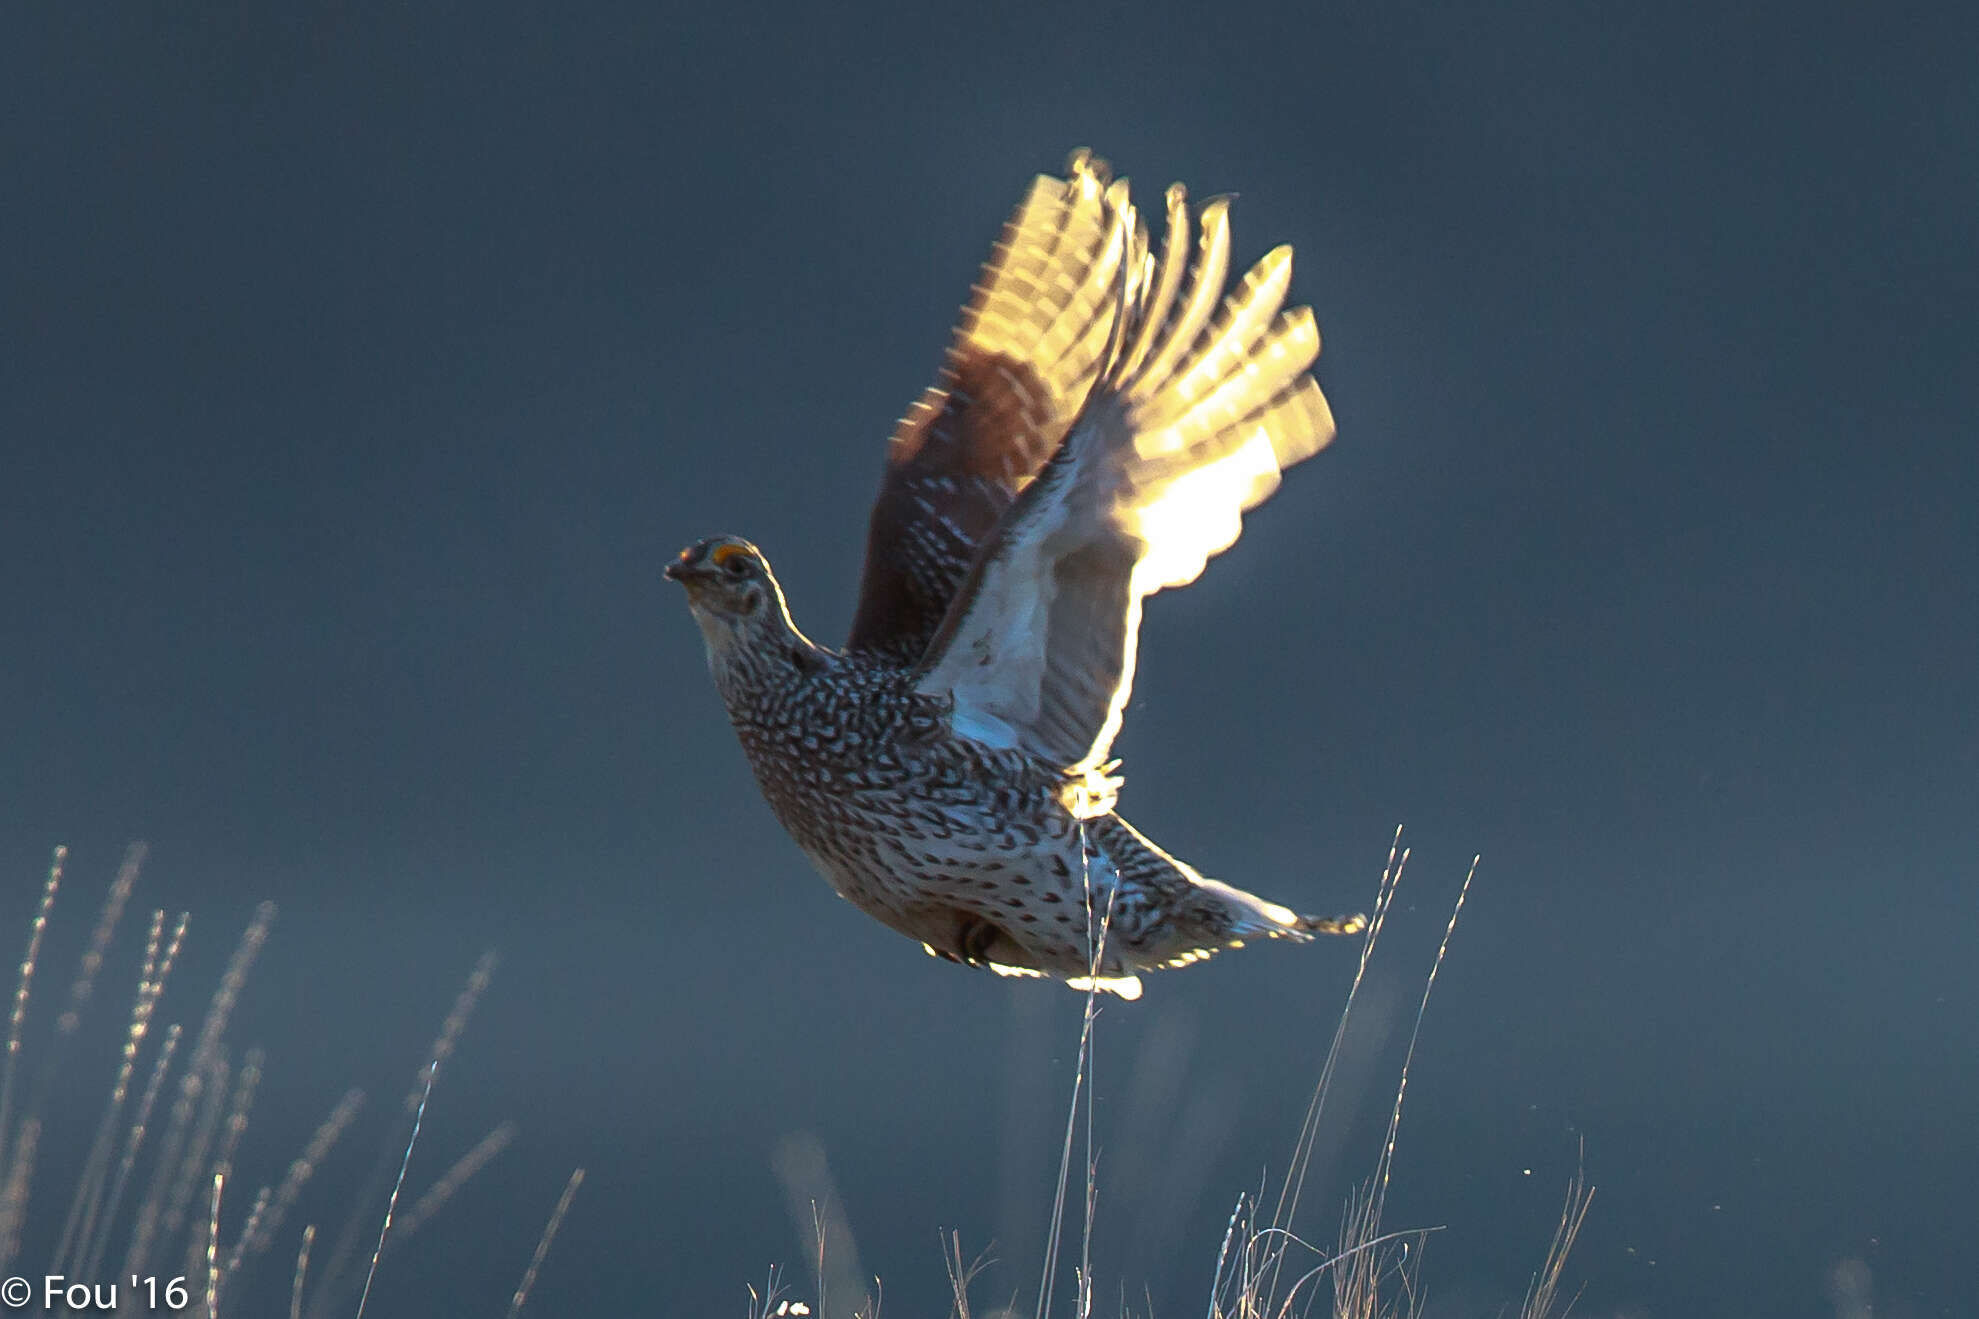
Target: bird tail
1350,924
1240,915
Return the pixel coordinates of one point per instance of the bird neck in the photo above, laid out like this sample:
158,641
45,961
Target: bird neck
762,653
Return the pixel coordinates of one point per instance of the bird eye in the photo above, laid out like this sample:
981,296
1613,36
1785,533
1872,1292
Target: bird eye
732,558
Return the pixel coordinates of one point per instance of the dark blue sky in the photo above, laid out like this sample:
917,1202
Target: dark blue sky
358,373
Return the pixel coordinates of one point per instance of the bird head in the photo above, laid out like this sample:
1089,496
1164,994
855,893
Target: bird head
733,595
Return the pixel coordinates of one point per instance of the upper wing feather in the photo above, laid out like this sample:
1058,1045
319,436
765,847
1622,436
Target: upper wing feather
1198,403
1026,351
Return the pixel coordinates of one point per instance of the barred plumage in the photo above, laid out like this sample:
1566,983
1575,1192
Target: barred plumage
1102,421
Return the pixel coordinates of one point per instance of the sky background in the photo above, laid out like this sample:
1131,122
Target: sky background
359,371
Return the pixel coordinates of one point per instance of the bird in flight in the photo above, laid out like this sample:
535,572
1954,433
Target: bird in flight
1104,417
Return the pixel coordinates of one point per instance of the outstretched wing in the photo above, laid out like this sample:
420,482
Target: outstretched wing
1195,411
1026,352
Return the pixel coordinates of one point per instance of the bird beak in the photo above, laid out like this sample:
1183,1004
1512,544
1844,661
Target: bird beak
680,570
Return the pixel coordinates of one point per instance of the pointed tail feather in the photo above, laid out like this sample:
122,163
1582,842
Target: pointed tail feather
1349,924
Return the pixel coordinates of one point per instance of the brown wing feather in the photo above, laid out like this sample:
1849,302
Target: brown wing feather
1026,351
1203,400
